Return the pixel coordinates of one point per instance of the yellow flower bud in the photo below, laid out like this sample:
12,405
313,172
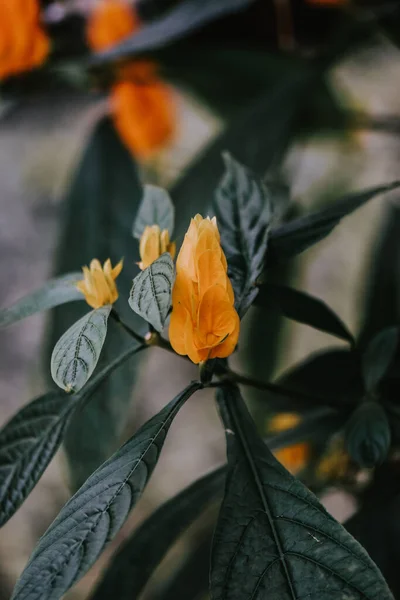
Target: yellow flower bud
98,285
153,243
204,323
295,457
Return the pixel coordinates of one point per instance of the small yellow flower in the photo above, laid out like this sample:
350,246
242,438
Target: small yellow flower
204,323
295,457
98,285
153,243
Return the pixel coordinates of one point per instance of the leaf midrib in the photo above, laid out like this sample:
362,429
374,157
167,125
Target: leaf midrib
260,490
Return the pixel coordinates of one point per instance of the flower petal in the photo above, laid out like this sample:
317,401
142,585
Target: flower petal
210,271
217,319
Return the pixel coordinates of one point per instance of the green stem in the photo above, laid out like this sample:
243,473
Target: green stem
126,328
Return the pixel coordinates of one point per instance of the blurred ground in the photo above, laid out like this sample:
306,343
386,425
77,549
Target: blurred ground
39,146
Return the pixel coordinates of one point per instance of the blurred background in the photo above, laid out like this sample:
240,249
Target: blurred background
213,73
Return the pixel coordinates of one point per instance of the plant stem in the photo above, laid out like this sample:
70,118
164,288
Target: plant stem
126,328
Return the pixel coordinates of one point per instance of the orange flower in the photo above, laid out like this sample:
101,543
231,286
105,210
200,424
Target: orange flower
111,22
141,104
23,43
204,323
294,458
98,285
153,243
143,116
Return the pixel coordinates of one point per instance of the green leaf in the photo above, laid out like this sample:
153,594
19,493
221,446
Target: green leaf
30,439
273,115
190,579
243,210
77,352
55,292
99,210
378,356
367,434
156,209
95,514
382,297
136,560
151,293
184,18
303,308
27,444
294,237
331,377
274,539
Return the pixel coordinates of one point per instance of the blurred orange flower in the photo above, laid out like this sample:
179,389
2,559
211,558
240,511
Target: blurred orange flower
153,243
141,104
295,457
23,43
110,22
204,323
98,285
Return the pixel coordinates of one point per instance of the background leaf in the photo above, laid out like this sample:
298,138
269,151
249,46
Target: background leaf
181,20
156,209
151,292
95,514
55,292
382,297
378,356
243,210
30,439
136,560
294,237
98,213
280,542
331,377
367,434
273,114
303,308
77,352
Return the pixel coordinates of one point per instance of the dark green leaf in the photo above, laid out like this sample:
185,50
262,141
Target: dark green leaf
137,559
55,292
378,356
382,297
296,236
376,525
303,308
243,210
95,514
99,210
273,115
31,438
156,208
274,539
331,377
151,293
27,444
367,434
181,20
191,580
